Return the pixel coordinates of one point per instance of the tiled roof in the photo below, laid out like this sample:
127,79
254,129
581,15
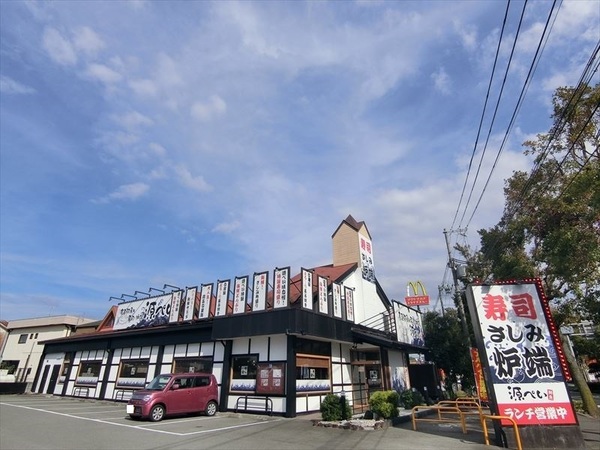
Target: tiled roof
331,272
352,223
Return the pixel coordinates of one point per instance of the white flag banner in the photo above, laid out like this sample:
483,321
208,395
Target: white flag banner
205,298
323,307
307,293
337,299
175,305
259,295
190,304
349,294
240,293
281,288
222,295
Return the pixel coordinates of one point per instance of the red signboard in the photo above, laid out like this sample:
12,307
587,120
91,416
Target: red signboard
417,300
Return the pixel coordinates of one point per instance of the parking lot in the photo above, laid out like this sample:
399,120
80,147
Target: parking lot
34,421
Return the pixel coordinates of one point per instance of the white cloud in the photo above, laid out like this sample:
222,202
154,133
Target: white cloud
157,149
86,40
196,183
441,81
467,34
58,47
144,88
10,86
214,107
226,227
102,73
133,119
126,192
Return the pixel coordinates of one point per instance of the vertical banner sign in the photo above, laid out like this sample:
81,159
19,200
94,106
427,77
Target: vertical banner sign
349,294
337,299
259,296
190,304
222,295
281,287
240,293
322,282
520,350
366,258
175,305
479,378
205,298
409,325
307,292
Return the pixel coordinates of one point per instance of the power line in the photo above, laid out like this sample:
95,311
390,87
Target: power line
530,73
487,95
512,51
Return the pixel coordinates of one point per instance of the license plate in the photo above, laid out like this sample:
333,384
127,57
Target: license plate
130,409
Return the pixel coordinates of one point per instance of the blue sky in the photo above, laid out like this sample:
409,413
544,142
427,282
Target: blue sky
145,143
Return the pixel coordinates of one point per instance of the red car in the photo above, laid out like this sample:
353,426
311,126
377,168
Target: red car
171,394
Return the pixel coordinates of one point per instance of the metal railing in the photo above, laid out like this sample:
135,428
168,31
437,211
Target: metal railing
383,321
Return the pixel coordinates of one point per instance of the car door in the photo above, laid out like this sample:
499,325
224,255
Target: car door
177,398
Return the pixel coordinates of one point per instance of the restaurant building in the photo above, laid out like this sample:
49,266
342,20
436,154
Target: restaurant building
277,344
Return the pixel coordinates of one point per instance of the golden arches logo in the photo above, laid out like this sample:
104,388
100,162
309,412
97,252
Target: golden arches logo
417,299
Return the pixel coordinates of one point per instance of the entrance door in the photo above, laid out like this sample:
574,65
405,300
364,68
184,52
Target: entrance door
43,381
53,378
360,393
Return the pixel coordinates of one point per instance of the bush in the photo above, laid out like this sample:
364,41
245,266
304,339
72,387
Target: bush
333,409
411,398
385,404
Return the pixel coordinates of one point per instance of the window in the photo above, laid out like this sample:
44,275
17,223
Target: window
22,338
134,369
312,368
192,365
313,373
244,367
35,336
133,373
244,373
10,366
89,371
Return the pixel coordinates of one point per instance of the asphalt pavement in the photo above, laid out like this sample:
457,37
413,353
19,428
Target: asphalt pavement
46,422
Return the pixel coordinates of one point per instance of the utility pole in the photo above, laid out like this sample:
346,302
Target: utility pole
457,297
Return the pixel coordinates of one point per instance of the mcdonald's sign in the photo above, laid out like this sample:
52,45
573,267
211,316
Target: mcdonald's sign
416,299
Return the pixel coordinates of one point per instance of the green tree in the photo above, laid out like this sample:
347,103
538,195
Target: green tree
448,348
550,227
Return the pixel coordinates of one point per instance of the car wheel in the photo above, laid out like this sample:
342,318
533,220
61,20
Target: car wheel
157,413
211,408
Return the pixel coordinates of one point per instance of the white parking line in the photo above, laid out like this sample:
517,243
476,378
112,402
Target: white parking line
138,427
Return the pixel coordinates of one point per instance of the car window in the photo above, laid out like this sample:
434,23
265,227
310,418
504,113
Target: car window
202,381
185,382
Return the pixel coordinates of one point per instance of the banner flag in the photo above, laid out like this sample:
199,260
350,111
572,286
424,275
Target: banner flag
240,293
190,304
175,306
222,296
261,281
337,299
205,298
349,295
307,292
281,289
322,283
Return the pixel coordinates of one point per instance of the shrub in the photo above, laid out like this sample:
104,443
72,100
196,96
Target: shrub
334,409
411,398
385,404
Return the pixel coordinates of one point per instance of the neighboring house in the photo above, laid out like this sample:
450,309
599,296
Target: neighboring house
21,351
3,333
276,340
